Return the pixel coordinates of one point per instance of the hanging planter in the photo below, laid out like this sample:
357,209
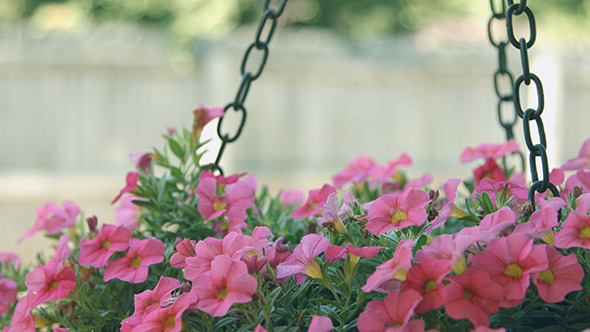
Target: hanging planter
194,249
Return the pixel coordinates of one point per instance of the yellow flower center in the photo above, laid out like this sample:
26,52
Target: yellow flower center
399,215
459,266
401,274
218,206
585,233
54,285
430,285
467,294
312,206
513,270
546,276
313,271
548,237
170,323
106,244
223,293
136,262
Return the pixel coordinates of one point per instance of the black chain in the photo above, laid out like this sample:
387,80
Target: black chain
505,99
260,44
531,114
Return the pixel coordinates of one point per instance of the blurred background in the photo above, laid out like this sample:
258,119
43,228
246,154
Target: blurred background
85,82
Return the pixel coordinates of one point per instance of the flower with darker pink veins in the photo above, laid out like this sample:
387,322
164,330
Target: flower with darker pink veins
563,275
472,295
302,262
356,171
184,249
426,278
394,312
489,170
315,202
487,151
50,282
582,161
389,275
128,213
330,219
320,324
110,238
510,261
575,231
134,266
397,211
7,294
53,219
227,283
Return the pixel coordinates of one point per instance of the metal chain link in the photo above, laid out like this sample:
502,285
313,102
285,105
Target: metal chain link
260,44
530,114
505,99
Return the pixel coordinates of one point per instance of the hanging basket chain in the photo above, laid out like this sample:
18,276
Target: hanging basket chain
260,44
538,150
505,99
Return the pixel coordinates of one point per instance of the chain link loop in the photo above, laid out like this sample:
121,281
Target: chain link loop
260,43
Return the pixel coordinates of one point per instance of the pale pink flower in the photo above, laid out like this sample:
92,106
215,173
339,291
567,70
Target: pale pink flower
397,211
489,151
142,161
292,197
22,319
166,318
330,218
110,238
581,179
334,253
134,266
227,282
426,278
320,324
131,183
50,282
472,295
53,219
356,171
383,174
184,249
394,311
449,248
575,231
449,208
62,251
510,261
563,275
493,223
127,213
302,262
7,294
489,170
220,179
419,182
543,219
315,202
259,328
389,275
514,187
582,161
9,258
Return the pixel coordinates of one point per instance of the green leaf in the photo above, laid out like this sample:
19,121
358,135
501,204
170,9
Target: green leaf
176,148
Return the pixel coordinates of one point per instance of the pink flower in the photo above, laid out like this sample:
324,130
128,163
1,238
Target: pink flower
489,170
315,202
449,208
426,278
53,219
563,275
128,214
134,266
50,282
389,275
227,283
142,161
302,262
356,171
22,319
419,182
472,295
166,318
277,252
514,187
383,174
320,324
7,294
581,178
493,223
334,253
542,220
110,238
9,258
131,183
489,151
204,115
394,311
330,219
184,249
292,197
510,261
449,248
575,230
62,252
397,211
582,161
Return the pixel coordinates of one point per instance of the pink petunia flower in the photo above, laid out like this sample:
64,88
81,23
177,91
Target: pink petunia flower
134,266
166,318
384,174
320,324
330,218
277,252
150,300
510,261
394,311
110,238
9,258
449,208
131,183
575,230
142,161
8,290
489,170
184,249
563,275
22,319
419,182
426,278
397,211
389,275
50,282
302,262
492,224
356,171
53,219
334,253
315,202
449,248
582,161
127,213
291,197
489,151
204,115
62,252
581,179
472,295
227,283
542,220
